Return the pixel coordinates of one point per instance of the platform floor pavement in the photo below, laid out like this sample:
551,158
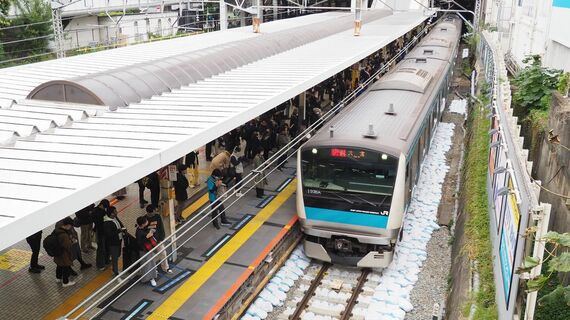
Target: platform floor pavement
24,295
142,299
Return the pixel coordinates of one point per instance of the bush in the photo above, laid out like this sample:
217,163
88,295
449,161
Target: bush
534,85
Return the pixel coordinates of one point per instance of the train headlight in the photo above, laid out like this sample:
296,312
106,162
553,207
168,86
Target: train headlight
384,156
314,150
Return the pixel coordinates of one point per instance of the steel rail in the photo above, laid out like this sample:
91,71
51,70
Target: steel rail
347,313
309,294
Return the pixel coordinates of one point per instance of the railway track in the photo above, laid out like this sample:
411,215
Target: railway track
328,292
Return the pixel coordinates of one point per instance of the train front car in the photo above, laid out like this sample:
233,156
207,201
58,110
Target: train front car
348,203
355,182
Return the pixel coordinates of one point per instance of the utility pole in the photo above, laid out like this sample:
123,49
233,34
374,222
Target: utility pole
258,16
357,16
57,28
223,15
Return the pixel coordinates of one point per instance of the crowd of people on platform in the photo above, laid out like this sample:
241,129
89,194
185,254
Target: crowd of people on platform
100,224
248,145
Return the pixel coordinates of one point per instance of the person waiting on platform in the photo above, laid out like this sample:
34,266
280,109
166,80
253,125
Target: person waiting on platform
98,214
85,221
193,164
260,180
146,242
114,237
35,242
180,191
155,223
236,168
214,182
221,162
64,258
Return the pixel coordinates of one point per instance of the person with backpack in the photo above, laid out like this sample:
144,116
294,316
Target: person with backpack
214,182
146,242
35,242
60,248
75,247
155,223
114,229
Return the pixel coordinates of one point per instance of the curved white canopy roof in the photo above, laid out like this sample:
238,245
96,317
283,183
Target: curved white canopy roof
52,174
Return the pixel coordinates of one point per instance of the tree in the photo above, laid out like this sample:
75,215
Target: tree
4,7
31,30
534,85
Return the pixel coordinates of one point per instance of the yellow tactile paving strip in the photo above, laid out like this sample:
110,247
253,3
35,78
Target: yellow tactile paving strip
188,288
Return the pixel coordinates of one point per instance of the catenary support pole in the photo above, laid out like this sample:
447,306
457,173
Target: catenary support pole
223,15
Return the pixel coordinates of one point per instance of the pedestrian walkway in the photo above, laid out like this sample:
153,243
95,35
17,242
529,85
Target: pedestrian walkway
24,295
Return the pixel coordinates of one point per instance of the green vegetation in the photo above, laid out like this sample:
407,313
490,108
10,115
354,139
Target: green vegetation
564,83
551,309
554,301
119,13
478,243
30,41
534,85
532,93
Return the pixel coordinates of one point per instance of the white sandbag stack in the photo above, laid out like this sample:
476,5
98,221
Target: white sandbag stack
275,292
391,299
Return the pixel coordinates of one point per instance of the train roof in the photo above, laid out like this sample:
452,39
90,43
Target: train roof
409,88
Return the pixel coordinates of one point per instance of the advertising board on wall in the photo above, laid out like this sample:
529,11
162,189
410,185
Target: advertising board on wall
508,239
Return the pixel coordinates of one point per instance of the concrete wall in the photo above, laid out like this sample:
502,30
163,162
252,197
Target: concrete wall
552,164
93,30
136,28
532,27
81,32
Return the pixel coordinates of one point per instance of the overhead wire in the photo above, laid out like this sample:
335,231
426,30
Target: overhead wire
25,25
112,45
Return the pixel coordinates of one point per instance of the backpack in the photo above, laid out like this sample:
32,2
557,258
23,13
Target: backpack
51,245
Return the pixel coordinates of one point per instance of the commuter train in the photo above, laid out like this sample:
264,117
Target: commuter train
356,177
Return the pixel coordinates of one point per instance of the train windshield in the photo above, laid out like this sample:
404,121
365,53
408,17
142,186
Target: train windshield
352,175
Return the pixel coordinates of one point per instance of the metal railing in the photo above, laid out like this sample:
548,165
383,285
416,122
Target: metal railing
519,188
87,307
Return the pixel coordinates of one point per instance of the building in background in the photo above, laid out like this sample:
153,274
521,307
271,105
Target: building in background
532,27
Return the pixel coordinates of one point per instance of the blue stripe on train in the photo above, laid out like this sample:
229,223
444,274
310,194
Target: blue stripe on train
346,217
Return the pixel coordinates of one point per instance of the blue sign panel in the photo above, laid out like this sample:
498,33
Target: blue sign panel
561,3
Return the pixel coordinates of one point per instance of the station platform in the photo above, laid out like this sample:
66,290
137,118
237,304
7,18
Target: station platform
18,286
215,263
208,270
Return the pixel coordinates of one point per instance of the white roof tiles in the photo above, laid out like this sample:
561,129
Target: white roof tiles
52,174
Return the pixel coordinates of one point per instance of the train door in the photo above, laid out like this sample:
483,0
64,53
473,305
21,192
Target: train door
408,190
422,145
415,165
